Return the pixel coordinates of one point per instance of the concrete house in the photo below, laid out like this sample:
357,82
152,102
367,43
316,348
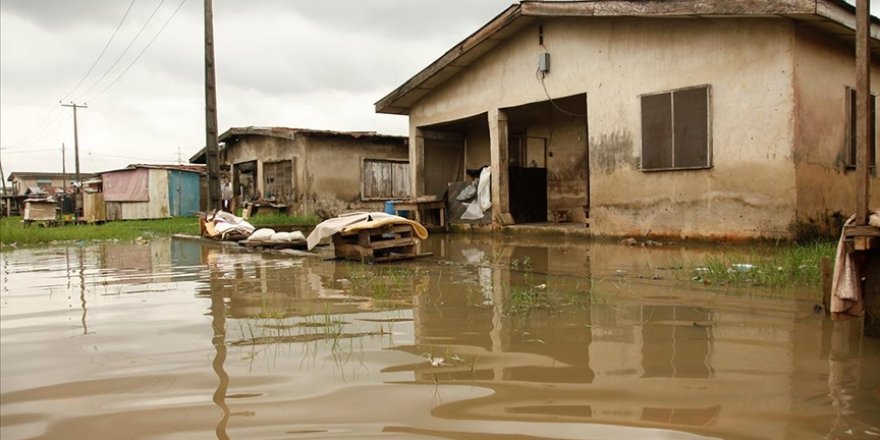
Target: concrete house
313,171
151,191
712,119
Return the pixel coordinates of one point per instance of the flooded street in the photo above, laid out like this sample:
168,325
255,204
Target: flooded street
484,339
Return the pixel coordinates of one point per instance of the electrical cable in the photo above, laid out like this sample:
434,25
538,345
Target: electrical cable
135,60
540,76
131,43
39,127
103,51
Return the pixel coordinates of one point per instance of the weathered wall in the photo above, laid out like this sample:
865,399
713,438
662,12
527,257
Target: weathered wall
328,170
266,149
826,188
477,149
750,190
334,172
157,207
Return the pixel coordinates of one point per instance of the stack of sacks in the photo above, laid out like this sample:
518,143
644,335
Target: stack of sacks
288,236
269,234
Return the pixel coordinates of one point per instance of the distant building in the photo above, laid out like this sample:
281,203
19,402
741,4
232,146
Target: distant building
37,185
729,119
313,171
143,191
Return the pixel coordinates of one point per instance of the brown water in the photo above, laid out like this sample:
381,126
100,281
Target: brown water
527,339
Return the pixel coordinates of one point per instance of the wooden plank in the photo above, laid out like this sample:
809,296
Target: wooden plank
384,244
861,231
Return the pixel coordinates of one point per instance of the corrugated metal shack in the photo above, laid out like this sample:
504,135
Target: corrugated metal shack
152,191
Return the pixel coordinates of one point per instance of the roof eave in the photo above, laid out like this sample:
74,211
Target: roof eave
837,12
389,104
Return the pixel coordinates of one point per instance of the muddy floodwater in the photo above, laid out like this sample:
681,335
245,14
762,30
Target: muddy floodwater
487,338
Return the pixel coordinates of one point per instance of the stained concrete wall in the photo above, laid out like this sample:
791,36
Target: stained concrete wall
748,63
826,188
328,170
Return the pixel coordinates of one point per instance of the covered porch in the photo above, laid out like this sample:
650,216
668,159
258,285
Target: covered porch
537,152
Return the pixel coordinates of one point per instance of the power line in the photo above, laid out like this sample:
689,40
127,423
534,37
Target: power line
135,60
38,127
103,51
131,43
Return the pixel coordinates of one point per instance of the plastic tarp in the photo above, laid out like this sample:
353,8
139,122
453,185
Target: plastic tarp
478,207
360,220
127,185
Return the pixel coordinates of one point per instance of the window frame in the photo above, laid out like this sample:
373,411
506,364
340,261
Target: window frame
364,162
264,176
710,157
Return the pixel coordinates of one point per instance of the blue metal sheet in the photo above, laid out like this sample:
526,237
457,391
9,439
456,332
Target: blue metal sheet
183,193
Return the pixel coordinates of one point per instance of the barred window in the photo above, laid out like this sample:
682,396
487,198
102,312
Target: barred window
278,178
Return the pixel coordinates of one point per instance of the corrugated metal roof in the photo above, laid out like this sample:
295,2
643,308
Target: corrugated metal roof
195,168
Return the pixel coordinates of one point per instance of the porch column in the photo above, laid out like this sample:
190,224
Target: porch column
416,162
498,160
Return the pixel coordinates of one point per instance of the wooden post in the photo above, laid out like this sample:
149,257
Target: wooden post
498,132
212,155
417,163
863,108
827,276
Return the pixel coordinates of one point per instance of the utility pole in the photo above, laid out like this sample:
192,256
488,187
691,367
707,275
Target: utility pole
76,158
863,109
63,180
211,154
3,179
63,169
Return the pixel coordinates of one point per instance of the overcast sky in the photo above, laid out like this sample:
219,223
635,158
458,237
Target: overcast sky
318,64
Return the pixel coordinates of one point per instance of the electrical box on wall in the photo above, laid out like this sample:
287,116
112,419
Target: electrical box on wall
544,62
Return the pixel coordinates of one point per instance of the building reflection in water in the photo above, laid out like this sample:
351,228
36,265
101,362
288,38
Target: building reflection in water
590,347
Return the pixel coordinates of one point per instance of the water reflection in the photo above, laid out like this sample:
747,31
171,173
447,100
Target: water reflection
488,338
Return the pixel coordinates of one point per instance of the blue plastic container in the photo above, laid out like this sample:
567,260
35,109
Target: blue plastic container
389,207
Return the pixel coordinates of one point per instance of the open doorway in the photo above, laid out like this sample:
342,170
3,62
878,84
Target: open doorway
548,161
244,182
452,148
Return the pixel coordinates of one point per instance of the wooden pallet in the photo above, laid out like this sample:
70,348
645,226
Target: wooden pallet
377,245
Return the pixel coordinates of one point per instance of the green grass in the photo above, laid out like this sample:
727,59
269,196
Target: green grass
782,266
12,230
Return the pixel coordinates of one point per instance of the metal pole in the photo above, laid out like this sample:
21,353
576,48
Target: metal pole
76,158
8,199
63,181
211,153
863,108
63,170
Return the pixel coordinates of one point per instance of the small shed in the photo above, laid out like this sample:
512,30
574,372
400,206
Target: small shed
94,208
39,210
151,191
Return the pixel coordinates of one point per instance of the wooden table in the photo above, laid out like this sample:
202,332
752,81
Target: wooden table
431,214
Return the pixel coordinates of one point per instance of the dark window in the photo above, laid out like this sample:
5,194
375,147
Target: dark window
385,179
278,180
675,130
851,129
